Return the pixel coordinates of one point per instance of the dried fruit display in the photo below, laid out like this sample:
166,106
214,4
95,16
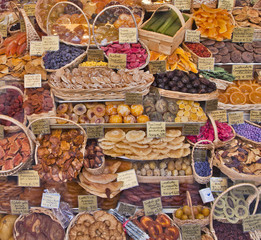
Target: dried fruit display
241,156
170,167
147,191
14,150
241,92
99,225
247,17
199,49
214,23
135,145
40,224
185,213
179,59
93,156
136,53
38,100
33,195
159,227
60,155
248,131
228,52
93,64
99,78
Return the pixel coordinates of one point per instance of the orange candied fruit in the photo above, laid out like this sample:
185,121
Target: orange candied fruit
223,98
129,119
255,97
115,119
142,119
237,98
111,109
123,110
137,110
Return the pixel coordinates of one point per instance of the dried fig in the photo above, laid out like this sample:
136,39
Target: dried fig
248,47
223,51
247,57
214,50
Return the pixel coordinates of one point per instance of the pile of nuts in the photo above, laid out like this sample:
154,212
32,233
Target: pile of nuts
93,155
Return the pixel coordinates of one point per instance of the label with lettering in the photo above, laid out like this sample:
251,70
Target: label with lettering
19,206
206,64
200,155
50,43
95,55
32,80
242,72
87,203
241,34
226,4
95,131
22,25
156,129
129,179
3,30
192,36
191,232
219,115
157,66
28,178
236,118
169,188
128,35
218,184
190,129
50,200
252,223
36,48
2,132
211,105
30,9
152,206
126,210
255,116
41,126
117,60
182,5
133,98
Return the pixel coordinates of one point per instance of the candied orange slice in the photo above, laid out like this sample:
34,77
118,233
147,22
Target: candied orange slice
247,98
245,88
241,82
154,55
210,10
255,97
223,98
255,86
238,98
258,89
232,89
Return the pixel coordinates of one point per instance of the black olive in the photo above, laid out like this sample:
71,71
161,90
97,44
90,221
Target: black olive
172,83
202,87
165,80
170,74
161,85
189,86
167,87
184,89
195,83
185,79
175,78
154,84
193,90
190,90
193,76
202,91
175,88
180,84
161,75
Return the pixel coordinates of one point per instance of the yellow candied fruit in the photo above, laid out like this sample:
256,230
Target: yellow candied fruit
196,104
200,113
182,106
93,64
193,110
193,117
180,113
184,119
203,118
186,113
185,102
180,102
177,119
187,107
190,102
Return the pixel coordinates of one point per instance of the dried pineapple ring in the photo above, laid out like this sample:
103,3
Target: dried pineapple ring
115,135
134,135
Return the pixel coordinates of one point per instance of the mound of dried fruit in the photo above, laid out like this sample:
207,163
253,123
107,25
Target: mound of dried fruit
183,82
248,131
185,213
214,23
199,49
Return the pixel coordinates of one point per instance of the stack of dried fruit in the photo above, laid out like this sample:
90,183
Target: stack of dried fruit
199,49
185,212
180,167
60,155
247,17
190,111
93,64
214,23
135,145
240,93
33,195
248,131
158,227
179,59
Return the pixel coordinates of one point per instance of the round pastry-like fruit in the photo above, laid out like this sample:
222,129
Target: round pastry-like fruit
136,110
111,109
62,108
142,119
99,110
129,119
115,119
123,110
79,109
60,121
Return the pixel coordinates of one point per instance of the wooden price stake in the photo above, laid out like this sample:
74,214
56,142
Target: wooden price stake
129,179
95,55
2,132
50,43
128,35
211,105
117,60
241,34
127,209
219,115
36,48
156,129
3,30
41,126
32,80
255,116
191,232
218,184
133,98
87,203
169,188
226,4
243,72
152,206
206,64
30,9
192,36
190,129
235,118
182,4
95,131
19,207
28,178
157,66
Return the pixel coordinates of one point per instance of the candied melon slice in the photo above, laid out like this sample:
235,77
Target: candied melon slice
210,10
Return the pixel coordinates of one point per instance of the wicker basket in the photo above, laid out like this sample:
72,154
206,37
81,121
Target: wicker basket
155,179
97,171
1,40
13,32
136,26
199,179
249,200
74,220
162,43
21,165
202,222
245,107
141,213
14,128
221,84
34,210
211,5
194,56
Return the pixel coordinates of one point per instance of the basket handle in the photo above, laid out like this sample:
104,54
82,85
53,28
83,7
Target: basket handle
70,3
214,127
189,202
222,194
12,87
33,137
14,121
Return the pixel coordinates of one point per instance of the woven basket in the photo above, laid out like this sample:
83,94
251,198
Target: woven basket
154,179
141,213
13,32
245,107
74,220
211,5
136,26
199,179
162,43
202,222
34,210
21,165
97,171
14,128
249,201
194,56
221,84
1,40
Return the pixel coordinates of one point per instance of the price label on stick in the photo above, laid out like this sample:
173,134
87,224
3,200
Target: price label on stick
133,98
117,60
3,30
200,155
219,115
95,55
169,188
30,9
50,43
156,129
87,203
152,206
50,200
235,118
243,34
206,64
129,179
218,184
191,232
41,126
243,72
128,35
190,129
226,4
28,178
19,207
32,80
95,131
255,116
126,209
182,5
157,66
252,223
36,48
192,36
211,105
2,132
